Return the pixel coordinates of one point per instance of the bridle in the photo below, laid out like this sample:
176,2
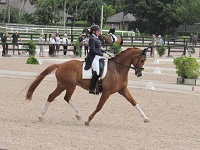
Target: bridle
137,67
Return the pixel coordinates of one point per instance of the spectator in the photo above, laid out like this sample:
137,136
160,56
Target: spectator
57,42
41,41
153,44
86,42
159,40
14,38
66,42
52,46
80,40
4,43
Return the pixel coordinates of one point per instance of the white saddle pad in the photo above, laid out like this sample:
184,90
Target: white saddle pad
114,36
87,74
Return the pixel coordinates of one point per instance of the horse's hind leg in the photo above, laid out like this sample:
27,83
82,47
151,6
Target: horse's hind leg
125,92
59,89
69,92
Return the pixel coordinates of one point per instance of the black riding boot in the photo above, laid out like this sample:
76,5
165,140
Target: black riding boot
93,83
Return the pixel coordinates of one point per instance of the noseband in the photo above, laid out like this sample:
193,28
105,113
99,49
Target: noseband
138,68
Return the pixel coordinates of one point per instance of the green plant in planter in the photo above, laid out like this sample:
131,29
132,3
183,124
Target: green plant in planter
31,48
187,67
116,48
77,49
191,50
32,60
161,50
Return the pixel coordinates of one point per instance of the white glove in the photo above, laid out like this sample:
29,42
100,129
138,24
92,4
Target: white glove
110,54
105,55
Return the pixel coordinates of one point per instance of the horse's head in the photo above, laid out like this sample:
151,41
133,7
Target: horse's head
85,30
138,62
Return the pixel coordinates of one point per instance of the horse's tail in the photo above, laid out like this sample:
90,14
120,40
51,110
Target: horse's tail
37,81
121,41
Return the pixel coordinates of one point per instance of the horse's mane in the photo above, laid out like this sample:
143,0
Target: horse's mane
124,51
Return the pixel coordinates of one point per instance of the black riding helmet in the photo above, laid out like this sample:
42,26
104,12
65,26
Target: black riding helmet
94,28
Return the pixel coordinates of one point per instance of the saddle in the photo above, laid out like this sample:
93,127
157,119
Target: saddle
87,74
113,37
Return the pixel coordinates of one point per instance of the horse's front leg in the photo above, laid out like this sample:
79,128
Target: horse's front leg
125,92
102,101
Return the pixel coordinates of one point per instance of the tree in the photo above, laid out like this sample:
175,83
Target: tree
187,12
91,11
155,14
47,11
117,5
21,8
163,16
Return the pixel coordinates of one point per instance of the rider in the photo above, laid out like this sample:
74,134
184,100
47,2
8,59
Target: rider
112,32
95,53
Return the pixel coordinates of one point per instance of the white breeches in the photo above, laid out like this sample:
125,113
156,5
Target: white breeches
95,64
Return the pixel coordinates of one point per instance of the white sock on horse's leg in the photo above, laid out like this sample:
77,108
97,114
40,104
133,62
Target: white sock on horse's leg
44,111
46,106
141,112
71,103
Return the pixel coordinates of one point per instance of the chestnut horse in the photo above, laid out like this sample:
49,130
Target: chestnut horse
107,39
69,75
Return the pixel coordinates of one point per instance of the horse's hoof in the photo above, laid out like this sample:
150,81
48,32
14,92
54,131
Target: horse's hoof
146,120
78,117
40,119
87,124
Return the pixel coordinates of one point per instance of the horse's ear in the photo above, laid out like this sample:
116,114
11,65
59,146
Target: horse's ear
144,51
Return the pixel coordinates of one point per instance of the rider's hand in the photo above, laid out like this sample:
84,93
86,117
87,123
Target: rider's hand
106,55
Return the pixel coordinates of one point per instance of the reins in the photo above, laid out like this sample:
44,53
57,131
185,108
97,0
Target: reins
130,67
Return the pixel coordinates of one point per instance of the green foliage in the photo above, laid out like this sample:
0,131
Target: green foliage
187,67
161,50
153,16
187,12
193,50
78,49
46,12
32,60
163,16
91,11
108,11
13,15
31,48
116,48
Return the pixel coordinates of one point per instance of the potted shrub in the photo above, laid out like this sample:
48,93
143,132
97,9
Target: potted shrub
161,50
191,50
77,49
32,60
31,48
187,69
115,47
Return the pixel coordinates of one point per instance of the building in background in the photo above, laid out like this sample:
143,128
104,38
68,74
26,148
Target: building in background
120,20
